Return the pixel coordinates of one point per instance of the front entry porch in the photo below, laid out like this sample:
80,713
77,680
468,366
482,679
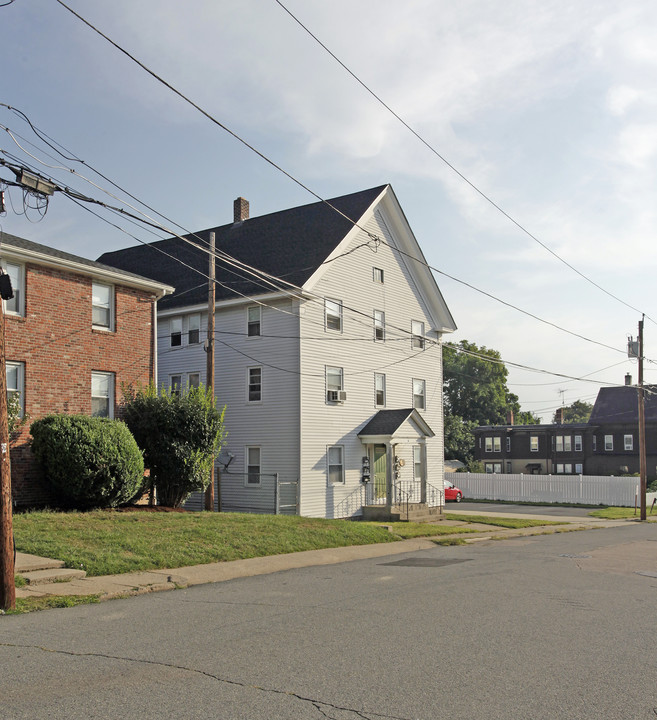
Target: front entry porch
396,488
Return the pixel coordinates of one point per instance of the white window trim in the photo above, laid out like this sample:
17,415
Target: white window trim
628,445
326,383
246,466
248,384
418,449
378,275
531,443
189,328
329,482
609,443
249,336
110,326
21,289
339,314
383,380
423,395
178,320
189,379
578,443
418,338
381,326
180,383
20,382
110,391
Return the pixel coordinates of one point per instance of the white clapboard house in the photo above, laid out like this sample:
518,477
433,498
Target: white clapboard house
327,353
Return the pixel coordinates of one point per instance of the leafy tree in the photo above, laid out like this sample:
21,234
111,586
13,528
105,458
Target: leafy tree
475,393
526,417
475,389
577,412
90,461
180,434
459,440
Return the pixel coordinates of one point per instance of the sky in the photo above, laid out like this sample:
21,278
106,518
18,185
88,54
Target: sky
546,108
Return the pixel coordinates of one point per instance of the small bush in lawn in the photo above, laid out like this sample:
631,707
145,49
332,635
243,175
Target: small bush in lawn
89,461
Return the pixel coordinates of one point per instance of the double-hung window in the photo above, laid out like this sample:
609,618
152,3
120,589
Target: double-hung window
193,380
175,384
253,321
102,306
533,443
419,394
578,443
379,325
175,331
418,462
377,275
255,384
333,315
334,386
15,306
609,442
417,335
335,464
253,465
194,329
102,394
379,389
16,385
628,442
497,444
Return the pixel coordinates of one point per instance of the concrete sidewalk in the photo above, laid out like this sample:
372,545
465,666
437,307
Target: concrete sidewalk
114,586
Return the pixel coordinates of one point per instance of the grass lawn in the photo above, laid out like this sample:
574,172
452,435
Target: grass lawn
618,513
108,543
26,605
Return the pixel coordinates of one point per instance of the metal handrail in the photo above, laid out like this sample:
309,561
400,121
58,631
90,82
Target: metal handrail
399,492
436,493
343,507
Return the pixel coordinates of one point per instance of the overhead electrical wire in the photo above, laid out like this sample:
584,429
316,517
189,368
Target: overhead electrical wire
452,167
224,256
76,196
309,190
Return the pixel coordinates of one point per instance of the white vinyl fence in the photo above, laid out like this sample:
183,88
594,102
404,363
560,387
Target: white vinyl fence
584,489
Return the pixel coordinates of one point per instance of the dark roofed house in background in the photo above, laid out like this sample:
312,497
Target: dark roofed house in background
75,331
316,334
607,444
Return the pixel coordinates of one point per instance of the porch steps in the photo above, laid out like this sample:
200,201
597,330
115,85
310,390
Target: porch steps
417,512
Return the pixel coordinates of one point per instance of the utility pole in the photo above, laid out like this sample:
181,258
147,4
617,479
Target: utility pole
209,493
642,425
7,586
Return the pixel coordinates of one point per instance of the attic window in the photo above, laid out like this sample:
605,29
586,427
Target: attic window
377,275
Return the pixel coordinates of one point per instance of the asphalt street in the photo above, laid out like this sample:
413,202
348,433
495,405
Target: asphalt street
555,626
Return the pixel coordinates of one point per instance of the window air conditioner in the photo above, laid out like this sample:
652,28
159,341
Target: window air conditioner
342,395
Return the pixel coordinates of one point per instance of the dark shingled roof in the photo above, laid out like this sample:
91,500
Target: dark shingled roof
290,244
386,422
620,405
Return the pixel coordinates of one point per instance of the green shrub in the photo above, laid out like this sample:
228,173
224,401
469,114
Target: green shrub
89,461
180,435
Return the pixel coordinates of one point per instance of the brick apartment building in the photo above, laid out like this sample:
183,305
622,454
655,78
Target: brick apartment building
76,331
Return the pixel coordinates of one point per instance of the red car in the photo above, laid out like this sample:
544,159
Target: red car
452,492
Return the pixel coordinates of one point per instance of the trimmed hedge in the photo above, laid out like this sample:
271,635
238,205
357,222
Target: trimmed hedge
90,461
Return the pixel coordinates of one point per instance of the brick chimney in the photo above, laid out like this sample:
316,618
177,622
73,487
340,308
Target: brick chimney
509,417
558,416
628,379
240,210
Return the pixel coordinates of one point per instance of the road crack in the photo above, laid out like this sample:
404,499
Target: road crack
316,703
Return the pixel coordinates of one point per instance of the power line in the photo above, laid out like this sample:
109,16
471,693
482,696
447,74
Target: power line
480,192
312,192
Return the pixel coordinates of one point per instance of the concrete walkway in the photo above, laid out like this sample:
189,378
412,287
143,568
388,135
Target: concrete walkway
114,586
